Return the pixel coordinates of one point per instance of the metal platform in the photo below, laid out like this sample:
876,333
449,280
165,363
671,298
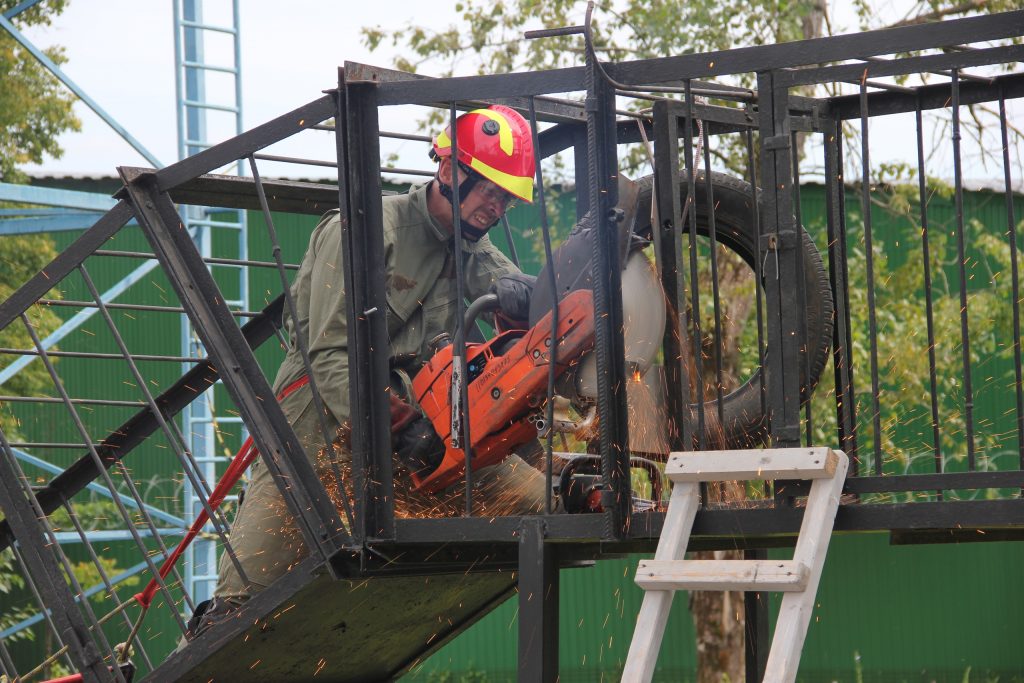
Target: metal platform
367,629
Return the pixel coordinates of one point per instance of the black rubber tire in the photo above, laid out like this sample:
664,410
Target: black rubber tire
745,423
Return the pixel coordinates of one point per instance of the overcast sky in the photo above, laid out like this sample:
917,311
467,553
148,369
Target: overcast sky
121,53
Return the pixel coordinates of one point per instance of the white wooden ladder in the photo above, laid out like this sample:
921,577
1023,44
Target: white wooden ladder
798,578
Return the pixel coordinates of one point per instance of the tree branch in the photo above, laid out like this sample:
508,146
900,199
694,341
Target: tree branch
962,8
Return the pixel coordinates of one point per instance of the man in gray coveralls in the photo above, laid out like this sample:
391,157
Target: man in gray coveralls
495,167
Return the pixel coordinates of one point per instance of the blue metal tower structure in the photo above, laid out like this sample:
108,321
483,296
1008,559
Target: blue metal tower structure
73,210
194,107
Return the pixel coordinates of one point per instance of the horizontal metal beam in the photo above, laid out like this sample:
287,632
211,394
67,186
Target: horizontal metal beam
935,96
905,65
35,225
754,527
821,50
481,88
946,481
547,108
237,192
52,196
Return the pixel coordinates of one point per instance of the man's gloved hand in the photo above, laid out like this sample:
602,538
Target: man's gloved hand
414,440
514,291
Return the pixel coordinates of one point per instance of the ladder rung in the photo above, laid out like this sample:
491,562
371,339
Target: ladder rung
722,575
209,67
208,105
188,23
768,463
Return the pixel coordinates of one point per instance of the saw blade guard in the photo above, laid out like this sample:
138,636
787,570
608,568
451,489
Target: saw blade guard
643,300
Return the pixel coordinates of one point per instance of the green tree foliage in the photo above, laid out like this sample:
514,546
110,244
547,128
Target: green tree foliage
12,583
21,257
34,107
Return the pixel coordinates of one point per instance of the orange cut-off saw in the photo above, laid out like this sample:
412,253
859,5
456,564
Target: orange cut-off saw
507,381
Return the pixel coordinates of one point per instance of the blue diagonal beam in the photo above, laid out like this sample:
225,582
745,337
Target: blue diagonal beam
73,323
32,225
20,7
6,24
109,535
36,618
52,196
154,512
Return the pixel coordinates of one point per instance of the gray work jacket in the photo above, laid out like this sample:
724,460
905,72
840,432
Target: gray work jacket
419,276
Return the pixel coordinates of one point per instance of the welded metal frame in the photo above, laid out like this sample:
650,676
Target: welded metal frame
542,543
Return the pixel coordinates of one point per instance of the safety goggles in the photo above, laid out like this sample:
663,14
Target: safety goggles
494,194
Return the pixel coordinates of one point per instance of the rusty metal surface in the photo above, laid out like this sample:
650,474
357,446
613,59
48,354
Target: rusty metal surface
367,629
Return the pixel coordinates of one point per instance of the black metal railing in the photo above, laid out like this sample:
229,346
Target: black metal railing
818,295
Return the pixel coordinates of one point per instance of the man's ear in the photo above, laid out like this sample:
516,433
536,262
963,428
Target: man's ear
444,170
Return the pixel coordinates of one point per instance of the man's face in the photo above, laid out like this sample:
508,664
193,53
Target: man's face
484,204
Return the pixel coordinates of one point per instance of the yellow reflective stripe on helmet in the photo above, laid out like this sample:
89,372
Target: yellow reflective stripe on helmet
520,186
443,141
504,129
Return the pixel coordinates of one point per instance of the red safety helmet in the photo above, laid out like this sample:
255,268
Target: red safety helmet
496,143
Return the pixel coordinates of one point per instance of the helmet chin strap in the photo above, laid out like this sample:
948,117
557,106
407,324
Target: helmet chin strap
469,232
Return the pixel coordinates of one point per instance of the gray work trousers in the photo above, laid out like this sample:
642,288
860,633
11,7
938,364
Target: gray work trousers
267,541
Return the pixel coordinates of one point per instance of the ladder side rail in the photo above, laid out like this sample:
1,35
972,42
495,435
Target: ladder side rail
795,611
654,611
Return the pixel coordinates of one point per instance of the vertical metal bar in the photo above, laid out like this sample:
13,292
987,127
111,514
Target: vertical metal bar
869,260
44,572
758,274
582,175
1011,231
538,605
965,337
556,299
460,380
805,386
363,256
613,428
125,475
174,436
716,303
756,613
668,235
781,242
691,212
929,312
302,343
513,254
846,417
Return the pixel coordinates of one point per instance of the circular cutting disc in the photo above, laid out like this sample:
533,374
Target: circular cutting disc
643,308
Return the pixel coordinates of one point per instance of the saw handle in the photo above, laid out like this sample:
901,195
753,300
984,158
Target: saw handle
485,304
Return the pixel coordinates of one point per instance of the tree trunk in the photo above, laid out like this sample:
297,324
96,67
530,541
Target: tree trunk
718,617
